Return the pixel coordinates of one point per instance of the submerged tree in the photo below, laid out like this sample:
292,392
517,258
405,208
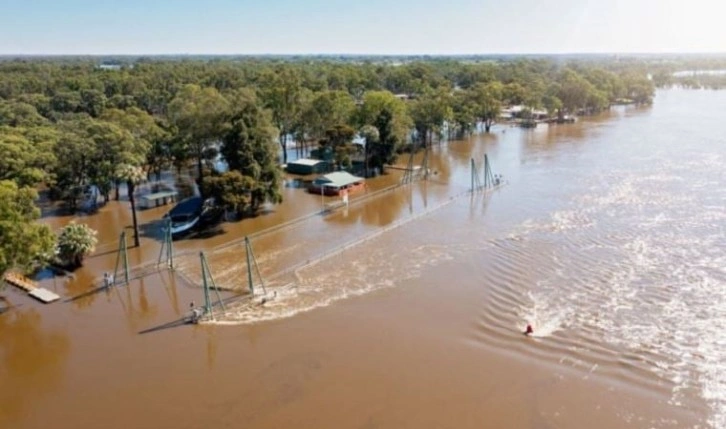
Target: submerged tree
370,135
340,140
231,190
199,114
638,88
464,114
114,146
281,93
430,112
75,242
375,102
384,142
76,152
487,100
150,139
249,148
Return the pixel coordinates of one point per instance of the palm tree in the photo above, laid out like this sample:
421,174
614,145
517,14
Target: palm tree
75,242
133,175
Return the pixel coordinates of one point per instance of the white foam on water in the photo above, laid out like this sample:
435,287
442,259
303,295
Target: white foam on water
646,272
546,319
343,276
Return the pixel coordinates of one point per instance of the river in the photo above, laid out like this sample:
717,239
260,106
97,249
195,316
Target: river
608,238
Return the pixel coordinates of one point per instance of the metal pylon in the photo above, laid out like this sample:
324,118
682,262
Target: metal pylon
250,260
167,247
475,182
408,174
488,175
122,257
207,284
425,162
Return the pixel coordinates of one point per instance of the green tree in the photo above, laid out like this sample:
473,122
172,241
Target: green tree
77,153
114,146
40,102
199,114
302,129
464,113
281,92
381,142
487,101
638,88
249,148
370,134
24,243
577,93
92,102
663,79
150,138
607,82
386,147
553,105
328,109
513,94
375,102
340,139
18,114
75,241
26,155
232,190
430,112
65,102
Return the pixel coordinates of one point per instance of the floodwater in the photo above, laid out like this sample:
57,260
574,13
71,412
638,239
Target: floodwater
407,310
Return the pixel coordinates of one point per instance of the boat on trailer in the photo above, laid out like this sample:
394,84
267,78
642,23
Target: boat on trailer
192,214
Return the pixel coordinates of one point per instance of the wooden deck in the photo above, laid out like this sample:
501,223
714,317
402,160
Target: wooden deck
20,281
44,295
28,285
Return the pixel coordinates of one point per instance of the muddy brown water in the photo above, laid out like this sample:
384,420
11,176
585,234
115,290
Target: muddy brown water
608,238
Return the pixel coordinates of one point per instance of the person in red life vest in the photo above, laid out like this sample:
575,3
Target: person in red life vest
529,330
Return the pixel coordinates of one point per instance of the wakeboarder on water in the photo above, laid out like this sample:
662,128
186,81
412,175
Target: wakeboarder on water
529,330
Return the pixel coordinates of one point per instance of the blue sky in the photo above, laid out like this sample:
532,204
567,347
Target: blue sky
360,27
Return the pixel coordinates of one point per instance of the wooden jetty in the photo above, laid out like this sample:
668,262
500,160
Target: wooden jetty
28,285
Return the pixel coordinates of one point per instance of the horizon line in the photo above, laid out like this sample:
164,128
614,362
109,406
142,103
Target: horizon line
312,54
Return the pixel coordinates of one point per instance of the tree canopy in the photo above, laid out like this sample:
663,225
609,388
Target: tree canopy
24,243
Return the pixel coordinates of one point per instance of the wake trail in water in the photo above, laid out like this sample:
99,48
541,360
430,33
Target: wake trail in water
631,278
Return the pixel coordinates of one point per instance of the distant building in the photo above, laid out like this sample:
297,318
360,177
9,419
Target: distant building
323,153
307,166
405,97
113,67
519,112
335,183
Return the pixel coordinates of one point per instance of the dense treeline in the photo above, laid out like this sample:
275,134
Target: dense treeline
697,79
687,71
68,124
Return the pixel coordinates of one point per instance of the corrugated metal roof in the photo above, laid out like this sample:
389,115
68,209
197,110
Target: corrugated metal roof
339,178
306,161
